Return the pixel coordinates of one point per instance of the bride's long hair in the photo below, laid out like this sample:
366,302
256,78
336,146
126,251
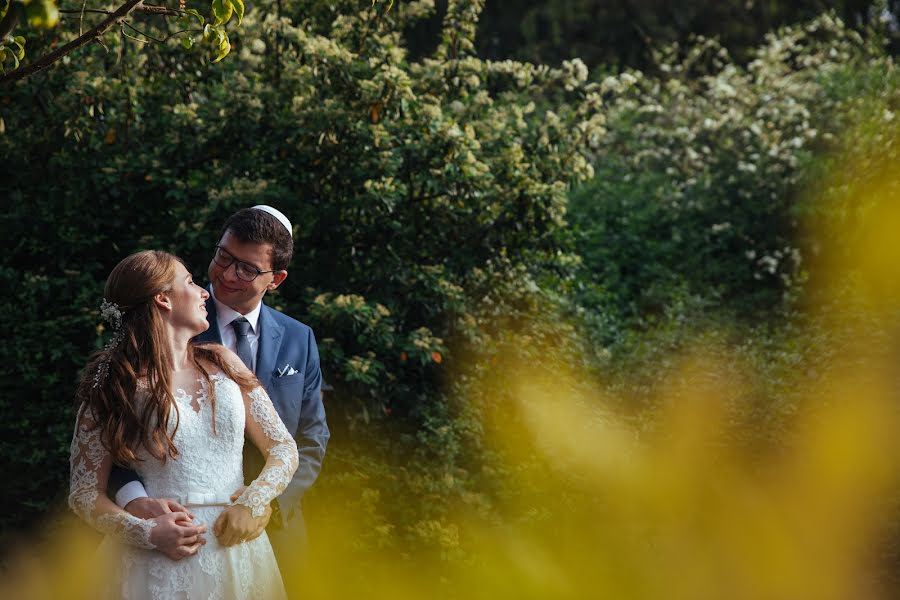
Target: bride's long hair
108,392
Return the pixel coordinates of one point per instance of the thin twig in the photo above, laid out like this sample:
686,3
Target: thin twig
81,18
133,28
158,40
171,35
131,37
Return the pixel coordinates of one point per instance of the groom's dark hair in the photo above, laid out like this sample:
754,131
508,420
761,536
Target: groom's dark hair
259,227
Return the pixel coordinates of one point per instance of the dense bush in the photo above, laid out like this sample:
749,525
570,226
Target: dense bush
421,191
634,29
708,179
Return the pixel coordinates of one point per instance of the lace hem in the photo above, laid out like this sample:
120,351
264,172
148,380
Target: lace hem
281,460
87,457
271,482
128,528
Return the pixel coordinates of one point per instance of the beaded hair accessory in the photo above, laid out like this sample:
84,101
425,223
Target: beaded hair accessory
112,314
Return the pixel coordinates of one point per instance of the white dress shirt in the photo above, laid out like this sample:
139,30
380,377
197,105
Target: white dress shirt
224,316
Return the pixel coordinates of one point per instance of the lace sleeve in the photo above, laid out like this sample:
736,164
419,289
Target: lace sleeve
268,433
90,464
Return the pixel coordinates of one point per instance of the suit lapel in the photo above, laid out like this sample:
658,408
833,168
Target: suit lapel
270,337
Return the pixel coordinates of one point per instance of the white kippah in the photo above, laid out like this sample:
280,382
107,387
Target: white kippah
277,214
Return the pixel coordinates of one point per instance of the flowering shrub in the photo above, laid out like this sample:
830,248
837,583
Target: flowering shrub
700,181
428,198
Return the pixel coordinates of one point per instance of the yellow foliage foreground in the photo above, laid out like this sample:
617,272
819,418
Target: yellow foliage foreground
677,514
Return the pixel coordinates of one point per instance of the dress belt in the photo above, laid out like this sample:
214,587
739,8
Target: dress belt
203,499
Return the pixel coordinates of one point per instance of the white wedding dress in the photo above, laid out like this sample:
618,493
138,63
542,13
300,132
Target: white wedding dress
206,472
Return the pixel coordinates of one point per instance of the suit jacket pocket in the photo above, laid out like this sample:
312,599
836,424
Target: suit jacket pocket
295,379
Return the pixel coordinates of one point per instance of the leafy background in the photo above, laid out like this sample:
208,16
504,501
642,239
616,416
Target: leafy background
479,192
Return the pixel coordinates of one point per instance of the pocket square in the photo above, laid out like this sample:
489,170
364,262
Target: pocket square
285,371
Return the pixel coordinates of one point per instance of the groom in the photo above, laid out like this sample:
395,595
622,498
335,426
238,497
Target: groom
250,259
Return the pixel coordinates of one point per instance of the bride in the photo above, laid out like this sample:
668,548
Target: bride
177,414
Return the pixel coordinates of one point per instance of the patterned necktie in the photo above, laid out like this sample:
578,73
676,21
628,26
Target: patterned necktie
241,329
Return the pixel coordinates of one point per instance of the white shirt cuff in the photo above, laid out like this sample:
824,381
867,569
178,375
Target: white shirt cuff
130,491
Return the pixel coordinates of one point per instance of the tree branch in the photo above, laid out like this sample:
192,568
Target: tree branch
48,59
78,11
149,9
152,9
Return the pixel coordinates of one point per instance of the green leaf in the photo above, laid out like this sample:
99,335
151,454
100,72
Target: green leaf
238,6
217,37
210,34
222,11
187,42
224,47
20,42
193,12
42,14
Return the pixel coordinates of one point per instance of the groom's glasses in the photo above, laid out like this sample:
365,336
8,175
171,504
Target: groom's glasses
244,271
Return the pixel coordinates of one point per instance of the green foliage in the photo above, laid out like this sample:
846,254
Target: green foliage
698,185
631,30
428,198
44,14
13,50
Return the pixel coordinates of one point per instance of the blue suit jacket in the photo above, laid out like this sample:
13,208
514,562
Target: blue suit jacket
284,341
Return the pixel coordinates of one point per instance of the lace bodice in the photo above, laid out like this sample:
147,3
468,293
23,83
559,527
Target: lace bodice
207,462
208,467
